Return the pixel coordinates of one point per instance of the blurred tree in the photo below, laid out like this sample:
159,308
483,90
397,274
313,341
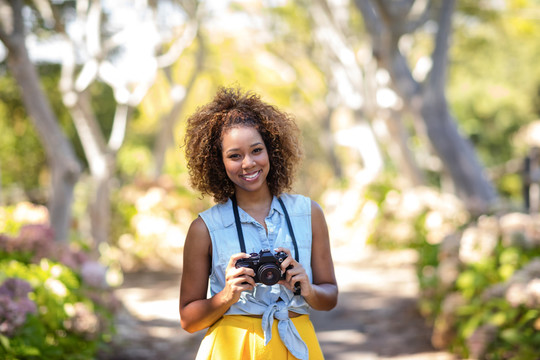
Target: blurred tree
295,69
292,41
178,92
493,85
388,24
311,58
64,165
353,83
23,157
107,43
125,52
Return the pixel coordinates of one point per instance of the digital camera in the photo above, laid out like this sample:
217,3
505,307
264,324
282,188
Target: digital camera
267,266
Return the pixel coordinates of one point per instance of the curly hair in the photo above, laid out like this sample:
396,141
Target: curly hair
233,108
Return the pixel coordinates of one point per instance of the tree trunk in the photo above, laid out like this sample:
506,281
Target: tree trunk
398,149
64,165
329,144
386,24
457,154
165,137
101,162
342,67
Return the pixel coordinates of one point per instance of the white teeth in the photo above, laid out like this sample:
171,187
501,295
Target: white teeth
250,177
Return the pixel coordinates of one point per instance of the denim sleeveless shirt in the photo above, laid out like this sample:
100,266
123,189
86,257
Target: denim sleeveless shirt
269,301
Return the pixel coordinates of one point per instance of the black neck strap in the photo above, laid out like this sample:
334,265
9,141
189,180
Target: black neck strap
241,234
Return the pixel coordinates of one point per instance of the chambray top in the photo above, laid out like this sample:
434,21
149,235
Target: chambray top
269,301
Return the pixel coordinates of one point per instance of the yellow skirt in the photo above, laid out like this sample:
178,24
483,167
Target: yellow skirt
237,337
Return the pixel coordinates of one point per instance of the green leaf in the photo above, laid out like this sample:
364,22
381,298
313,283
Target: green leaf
529,316
512,336
4,341
30,351
499,318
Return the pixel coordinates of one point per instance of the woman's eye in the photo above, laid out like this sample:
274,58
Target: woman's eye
234,156
257,150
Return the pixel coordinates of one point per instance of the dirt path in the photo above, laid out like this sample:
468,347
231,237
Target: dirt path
376,316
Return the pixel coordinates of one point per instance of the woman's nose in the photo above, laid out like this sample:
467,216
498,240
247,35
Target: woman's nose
248,162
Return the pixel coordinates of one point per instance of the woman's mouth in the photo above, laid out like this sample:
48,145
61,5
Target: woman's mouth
251,176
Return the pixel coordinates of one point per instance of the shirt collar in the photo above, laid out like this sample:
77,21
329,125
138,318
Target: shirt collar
227,213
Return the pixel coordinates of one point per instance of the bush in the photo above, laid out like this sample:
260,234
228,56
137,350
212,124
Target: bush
483,294
155,217
54,301
479,279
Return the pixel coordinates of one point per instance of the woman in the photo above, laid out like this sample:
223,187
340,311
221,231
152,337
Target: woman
244,153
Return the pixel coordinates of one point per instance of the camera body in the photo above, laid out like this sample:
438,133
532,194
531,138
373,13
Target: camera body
267,266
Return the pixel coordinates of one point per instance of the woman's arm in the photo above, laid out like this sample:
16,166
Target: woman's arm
322,293
197,312
324,290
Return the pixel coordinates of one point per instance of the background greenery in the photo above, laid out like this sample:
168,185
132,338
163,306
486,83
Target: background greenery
493,91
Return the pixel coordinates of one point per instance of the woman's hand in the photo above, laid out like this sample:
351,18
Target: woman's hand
294,276
237,279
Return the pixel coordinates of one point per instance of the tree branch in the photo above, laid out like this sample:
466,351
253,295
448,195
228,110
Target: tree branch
4,37
386,51
18,23
437,77
419,16
371,19
93,29
179,45
334,40
9,39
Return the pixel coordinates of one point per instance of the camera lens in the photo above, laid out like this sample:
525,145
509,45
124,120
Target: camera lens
269,274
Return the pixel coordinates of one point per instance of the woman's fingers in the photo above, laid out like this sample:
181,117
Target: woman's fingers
243,282
289,261
237,279
240,278
296,278
234,258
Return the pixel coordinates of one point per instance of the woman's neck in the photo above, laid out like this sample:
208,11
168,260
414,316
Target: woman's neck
256,204
254,201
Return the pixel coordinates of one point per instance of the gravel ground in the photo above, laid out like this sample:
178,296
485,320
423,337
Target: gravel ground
376,315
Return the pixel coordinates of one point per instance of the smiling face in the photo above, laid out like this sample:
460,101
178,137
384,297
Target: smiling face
245,157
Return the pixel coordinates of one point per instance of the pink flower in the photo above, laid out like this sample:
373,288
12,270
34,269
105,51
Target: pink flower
37,239
516,294
479,341
36,234
93,274
15,288
83,321
72,259
7,243
533,293
14,305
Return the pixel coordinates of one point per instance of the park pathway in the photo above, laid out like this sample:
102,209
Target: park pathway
376,316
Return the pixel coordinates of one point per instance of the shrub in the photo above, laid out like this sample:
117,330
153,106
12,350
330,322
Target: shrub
155,217
483,294
479,278
54,302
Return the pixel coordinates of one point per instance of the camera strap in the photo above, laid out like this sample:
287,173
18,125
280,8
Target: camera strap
291,232
241,234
